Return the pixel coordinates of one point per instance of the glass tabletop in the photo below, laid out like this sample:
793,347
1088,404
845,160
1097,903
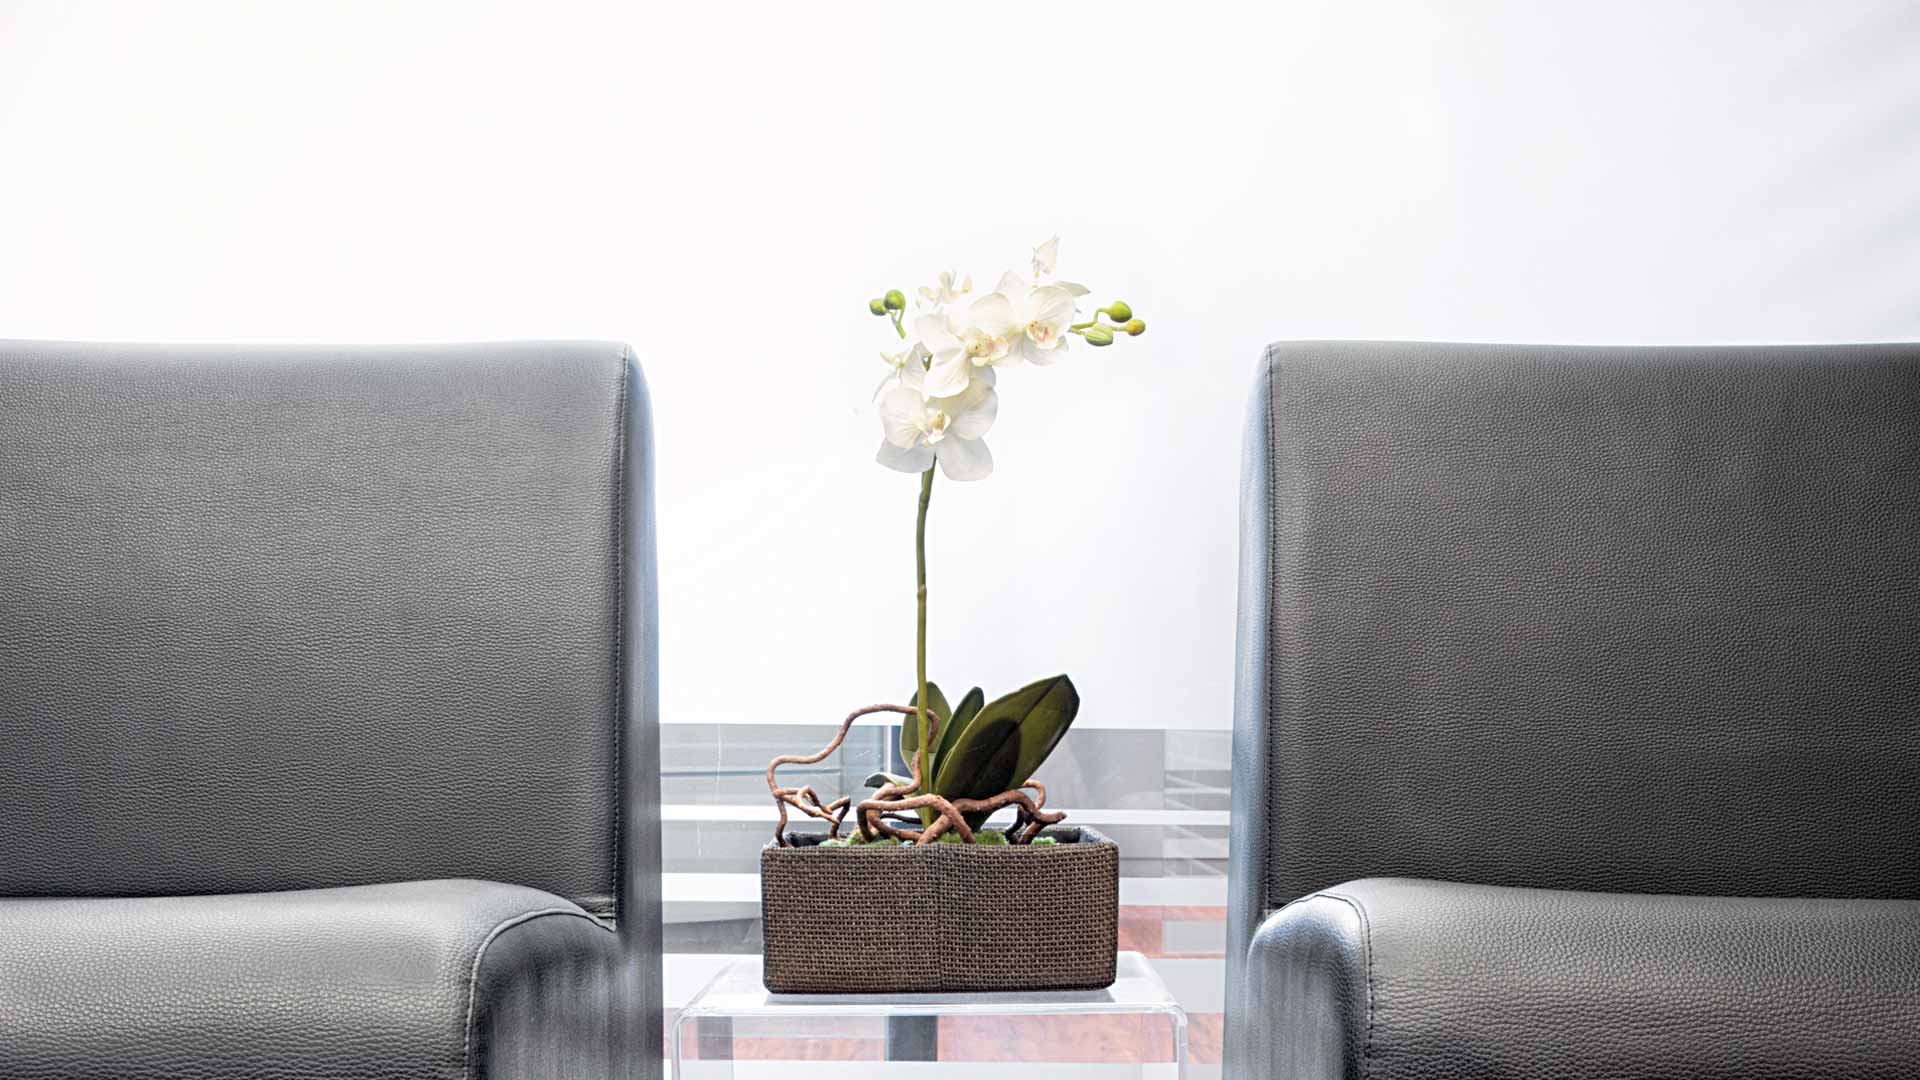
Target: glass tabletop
737,992
734,1029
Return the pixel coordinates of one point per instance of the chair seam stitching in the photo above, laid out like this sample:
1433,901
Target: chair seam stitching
1366,936
1267,764
473,976
619,808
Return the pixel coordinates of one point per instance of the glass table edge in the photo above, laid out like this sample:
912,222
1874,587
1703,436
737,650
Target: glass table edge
971,1004
915,1008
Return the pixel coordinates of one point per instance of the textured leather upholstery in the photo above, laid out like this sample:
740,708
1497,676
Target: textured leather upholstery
424,979
1624,619
301,618
1399,979
288,619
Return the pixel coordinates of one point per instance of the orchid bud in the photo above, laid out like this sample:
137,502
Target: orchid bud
1119,311
877,306
1099,335
1136,327
896,300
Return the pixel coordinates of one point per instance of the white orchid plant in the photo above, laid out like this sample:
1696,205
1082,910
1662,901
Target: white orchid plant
937,402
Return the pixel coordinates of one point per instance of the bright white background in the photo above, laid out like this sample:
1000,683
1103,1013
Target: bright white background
724,185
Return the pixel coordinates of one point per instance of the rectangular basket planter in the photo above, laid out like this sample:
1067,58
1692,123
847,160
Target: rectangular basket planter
941,918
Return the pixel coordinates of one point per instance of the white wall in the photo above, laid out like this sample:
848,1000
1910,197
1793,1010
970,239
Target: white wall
724,185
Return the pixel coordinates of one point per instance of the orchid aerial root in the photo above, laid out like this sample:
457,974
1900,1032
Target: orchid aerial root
894,801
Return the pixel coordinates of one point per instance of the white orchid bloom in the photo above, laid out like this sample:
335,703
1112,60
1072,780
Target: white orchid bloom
1045,257
959,346
921,430
945,293
913,356
1033,319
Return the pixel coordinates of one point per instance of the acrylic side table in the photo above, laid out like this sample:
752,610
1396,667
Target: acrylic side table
734,1029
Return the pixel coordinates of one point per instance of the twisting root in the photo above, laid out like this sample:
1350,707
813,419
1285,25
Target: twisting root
893,802
805,799
1028,820
896,799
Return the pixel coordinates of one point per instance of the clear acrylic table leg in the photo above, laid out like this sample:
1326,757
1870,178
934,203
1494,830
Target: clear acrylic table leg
862,1036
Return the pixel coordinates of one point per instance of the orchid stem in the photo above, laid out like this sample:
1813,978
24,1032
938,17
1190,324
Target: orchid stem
920,559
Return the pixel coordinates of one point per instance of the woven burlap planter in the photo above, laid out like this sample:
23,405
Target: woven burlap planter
942,917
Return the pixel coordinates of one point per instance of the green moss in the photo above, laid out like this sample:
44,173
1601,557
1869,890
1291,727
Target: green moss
855,840
983,838
993,838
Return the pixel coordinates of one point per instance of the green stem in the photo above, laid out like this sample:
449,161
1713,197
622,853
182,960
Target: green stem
920,559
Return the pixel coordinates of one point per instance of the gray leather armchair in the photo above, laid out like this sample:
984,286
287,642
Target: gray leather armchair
1578,718
328,742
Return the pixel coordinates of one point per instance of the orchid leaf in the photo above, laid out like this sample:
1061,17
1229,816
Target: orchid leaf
910,725
882,779
963,715
910,739
1007,741
982,762
1055,705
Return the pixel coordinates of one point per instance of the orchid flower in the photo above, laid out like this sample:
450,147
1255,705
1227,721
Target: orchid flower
939,389
1033,319
1045,257
959,346
913,357
945,293
921,430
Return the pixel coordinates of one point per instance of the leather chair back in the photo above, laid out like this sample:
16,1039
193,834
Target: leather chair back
1626,619
280,618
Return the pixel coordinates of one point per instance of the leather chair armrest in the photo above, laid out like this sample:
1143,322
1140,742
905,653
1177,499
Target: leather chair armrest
1399,978
469,979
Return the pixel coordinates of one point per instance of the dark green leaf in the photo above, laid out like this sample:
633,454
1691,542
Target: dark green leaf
882,779
910,725
1007,741
910,739
963,715
981,763
1046,723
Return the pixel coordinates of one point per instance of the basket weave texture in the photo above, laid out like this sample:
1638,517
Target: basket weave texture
941,918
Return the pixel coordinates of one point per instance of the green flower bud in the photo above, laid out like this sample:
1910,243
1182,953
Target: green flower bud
1119,312
1099,335
1135,327
896,300
877,306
